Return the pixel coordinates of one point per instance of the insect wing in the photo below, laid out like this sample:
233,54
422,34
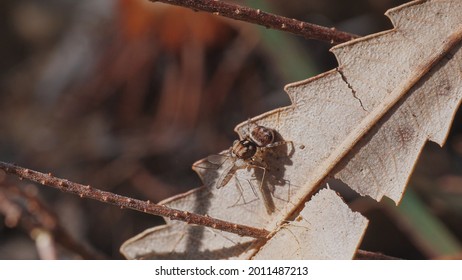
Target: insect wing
226,173
218,159
215,170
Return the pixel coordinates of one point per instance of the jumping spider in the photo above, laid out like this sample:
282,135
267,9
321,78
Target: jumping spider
246,153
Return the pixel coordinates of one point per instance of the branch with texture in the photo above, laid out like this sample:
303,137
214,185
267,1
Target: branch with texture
256,16
86,191
23,208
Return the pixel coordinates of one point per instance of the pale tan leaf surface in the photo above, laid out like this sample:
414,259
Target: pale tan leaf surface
178,240
363,123
381,163
325,229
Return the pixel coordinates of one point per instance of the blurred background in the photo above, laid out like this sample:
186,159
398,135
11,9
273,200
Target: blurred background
125,95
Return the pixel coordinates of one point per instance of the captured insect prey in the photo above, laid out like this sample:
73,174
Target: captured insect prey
249,153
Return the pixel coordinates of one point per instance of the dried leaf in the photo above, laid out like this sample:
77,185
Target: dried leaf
325,229
178,240
363,123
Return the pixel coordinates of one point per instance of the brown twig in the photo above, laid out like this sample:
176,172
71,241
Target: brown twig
135,204
366,255
307,30
34,216
148,207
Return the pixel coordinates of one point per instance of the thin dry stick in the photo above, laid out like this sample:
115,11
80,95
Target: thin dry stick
148,207
366,255
135,204
307,30
36,215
